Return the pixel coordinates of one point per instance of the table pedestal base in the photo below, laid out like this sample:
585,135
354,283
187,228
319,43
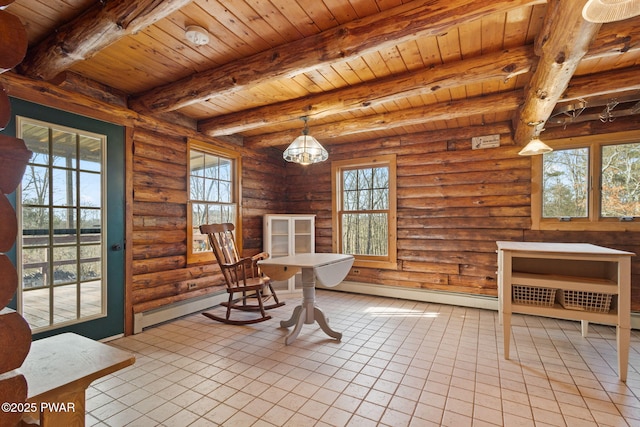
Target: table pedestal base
299,318
307,312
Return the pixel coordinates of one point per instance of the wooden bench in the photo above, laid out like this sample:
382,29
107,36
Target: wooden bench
59,369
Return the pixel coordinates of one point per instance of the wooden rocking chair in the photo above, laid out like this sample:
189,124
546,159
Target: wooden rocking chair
242,276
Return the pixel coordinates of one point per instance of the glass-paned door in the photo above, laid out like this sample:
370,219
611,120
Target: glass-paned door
70,206
61,211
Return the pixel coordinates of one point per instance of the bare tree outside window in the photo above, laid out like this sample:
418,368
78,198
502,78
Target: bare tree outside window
620,181
212,194
365,211
574,179
565,183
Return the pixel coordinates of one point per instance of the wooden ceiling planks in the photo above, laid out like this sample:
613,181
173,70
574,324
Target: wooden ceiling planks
129,68
438,80
297,17
44,15
470,39
493,32
449,46
516,27
158,59
342,11
237,26
378,65
95,29
354,71
360,42
318,13
206,56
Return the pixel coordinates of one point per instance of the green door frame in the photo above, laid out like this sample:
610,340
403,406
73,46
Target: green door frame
113,323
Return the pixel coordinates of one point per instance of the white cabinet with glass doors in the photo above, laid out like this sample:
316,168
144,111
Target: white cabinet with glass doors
285,235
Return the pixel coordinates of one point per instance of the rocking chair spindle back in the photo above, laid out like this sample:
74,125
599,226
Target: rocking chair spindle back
247,287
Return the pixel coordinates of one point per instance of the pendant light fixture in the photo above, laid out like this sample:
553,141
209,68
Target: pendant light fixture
602,11
535,147
305,149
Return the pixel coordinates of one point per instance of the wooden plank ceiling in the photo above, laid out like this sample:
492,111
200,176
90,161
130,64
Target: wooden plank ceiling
359,69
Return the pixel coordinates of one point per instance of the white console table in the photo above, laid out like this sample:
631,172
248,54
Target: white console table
572,267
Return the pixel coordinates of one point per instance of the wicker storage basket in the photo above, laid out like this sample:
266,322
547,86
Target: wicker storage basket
533,295
585,301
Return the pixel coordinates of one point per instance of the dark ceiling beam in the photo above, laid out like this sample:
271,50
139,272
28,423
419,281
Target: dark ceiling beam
98,27
386,29
605,83
616,38
628,125
626,80
613,39
561,45
499,66
490,104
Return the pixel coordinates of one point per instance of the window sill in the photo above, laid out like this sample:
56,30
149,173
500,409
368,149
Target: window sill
587,226
200,258
386,265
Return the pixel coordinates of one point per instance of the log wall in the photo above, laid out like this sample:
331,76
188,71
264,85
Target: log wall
160,273
454,203
156,270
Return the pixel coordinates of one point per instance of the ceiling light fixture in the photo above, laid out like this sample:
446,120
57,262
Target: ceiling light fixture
197,35
602,11
305,149
535,147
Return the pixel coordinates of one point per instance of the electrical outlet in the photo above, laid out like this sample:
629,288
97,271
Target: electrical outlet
192,285
355,271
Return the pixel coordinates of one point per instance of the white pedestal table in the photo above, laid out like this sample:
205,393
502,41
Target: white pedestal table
328,269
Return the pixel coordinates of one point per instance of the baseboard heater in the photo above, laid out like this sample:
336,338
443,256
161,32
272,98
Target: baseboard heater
416,294
183,308
175,310
439,297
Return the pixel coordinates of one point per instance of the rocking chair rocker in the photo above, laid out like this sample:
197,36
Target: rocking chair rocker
242,277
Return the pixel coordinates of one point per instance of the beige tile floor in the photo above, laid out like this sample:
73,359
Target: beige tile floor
400,363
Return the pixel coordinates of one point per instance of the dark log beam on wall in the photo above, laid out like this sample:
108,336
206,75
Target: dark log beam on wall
100,26
346,42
